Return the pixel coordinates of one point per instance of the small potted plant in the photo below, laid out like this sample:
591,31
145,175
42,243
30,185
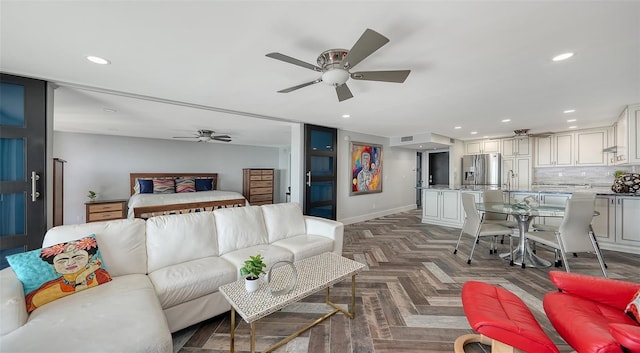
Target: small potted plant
92,195
252,270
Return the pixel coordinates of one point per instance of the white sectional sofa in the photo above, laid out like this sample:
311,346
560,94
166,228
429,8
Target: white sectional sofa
165,272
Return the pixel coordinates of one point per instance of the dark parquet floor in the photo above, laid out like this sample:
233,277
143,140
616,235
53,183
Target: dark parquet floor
408,300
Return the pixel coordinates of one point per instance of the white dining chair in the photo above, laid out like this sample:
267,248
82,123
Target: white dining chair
496,196
474,227
574,234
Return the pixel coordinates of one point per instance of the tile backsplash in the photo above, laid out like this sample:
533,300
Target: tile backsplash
595,176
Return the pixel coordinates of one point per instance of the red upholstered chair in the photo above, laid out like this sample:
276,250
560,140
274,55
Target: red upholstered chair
588,312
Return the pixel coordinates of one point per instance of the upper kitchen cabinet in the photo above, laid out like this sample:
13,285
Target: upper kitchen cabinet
627,131
589,148
482,146
581,148
516,147
554,151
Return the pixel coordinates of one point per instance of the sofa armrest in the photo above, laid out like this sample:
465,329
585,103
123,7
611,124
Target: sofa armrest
614,293
326,228
13,309
627,335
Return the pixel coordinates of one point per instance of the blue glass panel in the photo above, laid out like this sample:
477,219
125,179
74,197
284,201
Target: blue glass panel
321,211
321,140
11,104
321,191
12,159
321,166
6,252
12,214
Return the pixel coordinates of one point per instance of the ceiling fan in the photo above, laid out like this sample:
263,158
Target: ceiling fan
336,63
206,136
521,133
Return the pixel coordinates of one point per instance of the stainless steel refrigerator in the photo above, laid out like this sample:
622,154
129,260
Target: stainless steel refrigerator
481,169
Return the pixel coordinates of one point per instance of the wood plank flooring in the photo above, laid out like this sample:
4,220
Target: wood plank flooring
409,299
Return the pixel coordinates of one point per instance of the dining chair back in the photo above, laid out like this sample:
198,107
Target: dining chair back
496,196
474,227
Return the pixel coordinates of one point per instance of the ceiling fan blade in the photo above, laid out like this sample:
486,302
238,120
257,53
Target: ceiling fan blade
343,92
293,61
290,89
397,76
223,139
369,42
185,137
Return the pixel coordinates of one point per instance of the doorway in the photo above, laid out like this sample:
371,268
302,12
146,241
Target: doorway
320,171
419,180
439,168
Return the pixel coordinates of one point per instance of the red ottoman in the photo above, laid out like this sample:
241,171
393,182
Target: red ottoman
500,315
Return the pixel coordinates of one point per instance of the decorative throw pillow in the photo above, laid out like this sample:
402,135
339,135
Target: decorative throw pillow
164,186
185,185
144,186
633,307
204,184
59,270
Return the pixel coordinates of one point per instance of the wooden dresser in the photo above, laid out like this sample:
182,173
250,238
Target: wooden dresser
257,185
105,210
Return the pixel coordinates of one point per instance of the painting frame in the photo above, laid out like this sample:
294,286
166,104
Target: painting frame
363,179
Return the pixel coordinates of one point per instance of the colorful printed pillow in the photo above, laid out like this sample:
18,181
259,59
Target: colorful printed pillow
185,185
164,186
143,186
59,270
633,307
204,184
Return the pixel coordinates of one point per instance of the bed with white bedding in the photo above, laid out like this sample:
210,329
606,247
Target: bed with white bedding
145,205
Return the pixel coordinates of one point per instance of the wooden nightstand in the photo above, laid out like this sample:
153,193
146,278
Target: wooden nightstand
104,210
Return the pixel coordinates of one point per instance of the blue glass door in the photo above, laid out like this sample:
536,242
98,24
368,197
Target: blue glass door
22,165
320,167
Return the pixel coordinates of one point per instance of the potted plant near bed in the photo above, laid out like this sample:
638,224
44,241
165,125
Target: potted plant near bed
92,195
252,270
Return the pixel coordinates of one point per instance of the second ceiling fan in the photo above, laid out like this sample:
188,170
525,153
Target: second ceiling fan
336,63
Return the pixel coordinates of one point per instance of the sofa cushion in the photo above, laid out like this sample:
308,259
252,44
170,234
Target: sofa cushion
270,253
239,228
303,246
122,243
59,270
283,220
576,317
175,239
633,307
123,315
190,280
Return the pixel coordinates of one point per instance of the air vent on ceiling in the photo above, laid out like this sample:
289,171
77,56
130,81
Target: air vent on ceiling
406,139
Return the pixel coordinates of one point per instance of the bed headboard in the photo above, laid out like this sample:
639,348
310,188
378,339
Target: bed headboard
134,176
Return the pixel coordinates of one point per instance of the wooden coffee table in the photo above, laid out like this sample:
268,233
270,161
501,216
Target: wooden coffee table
314,273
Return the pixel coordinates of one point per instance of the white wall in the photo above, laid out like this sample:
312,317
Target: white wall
103,163
398,183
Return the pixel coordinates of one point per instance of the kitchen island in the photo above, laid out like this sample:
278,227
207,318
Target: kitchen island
617,228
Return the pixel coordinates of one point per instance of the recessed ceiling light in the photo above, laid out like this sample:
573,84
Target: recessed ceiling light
457,127
485,137
506,120
572,127
473,132
346,116
568,111
98,60
561,57
571,120
109,110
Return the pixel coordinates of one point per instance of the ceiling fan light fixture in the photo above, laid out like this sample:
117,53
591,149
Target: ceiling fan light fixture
335,77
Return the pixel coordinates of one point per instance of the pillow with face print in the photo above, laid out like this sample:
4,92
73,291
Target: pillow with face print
59,270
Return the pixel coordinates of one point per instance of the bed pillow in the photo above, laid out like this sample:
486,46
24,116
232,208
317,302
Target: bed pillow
59,270
185,185
204,184
164,186
144,186
633,307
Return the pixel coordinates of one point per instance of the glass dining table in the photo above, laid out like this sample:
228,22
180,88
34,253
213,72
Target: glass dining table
523,255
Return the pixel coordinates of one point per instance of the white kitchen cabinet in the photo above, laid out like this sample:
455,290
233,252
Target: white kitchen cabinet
516,173
482,146
554,151
589,148
517,146
622,137
634,134
442,207
617,227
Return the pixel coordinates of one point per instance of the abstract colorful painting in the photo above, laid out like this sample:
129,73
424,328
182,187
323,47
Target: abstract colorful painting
366,168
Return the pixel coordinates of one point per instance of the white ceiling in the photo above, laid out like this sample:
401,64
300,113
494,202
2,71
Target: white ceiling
180,66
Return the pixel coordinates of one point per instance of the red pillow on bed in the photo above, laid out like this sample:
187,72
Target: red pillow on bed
185,185
164,186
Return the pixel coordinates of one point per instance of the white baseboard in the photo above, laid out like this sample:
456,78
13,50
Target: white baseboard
373,215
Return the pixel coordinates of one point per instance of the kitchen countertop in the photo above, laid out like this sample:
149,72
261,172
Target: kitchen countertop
542,188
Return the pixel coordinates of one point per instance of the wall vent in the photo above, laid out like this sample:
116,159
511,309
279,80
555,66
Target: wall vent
406,139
